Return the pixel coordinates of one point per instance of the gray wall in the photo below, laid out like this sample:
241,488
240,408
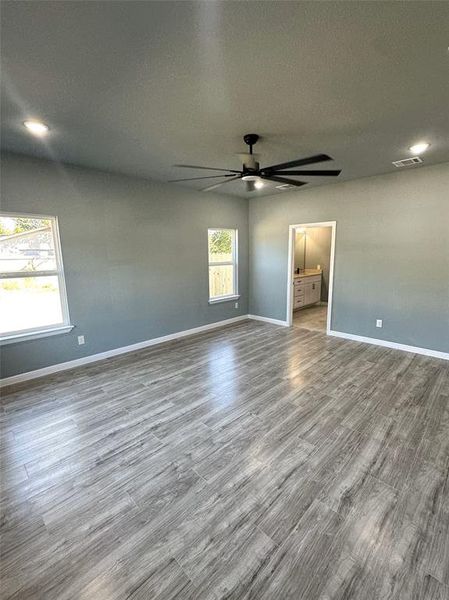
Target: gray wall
392,253
135,256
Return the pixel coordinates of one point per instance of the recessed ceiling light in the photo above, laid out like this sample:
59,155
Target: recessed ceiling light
36,127
419,148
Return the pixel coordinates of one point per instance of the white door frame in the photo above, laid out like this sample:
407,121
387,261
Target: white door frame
291,264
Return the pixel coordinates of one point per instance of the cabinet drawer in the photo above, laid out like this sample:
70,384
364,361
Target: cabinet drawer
309,279
298,302
299,293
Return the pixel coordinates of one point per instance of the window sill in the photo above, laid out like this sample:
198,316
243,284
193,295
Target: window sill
224,299
23,337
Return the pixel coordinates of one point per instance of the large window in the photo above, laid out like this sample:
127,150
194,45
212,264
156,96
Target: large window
32,290
223,271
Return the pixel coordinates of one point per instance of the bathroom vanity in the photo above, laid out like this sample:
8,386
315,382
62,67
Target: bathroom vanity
307,288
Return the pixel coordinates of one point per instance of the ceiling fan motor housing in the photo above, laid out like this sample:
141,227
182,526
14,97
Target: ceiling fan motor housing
250,166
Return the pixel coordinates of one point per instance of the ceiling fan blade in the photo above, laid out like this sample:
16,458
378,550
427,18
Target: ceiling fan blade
207,177
329,173
283,180
298,163
207,168
216,185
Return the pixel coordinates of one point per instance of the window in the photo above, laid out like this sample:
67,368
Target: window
32,290
223,270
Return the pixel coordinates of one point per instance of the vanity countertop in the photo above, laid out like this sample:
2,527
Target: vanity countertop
308,273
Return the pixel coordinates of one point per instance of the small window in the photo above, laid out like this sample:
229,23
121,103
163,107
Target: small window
223,269
32,289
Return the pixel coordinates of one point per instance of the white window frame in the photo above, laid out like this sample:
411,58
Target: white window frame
46,330
234,263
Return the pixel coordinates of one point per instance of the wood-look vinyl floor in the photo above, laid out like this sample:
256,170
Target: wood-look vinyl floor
252,462
312,317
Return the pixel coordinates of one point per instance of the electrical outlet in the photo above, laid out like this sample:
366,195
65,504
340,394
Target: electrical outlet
236,305
379,323
81,340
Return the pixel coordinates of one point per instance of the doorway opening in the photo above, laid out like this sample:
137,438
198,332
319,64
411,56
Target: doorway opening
310,275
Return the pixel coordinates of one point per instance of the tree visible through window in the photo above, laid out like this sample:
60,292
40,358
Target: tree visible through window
222,263
32,291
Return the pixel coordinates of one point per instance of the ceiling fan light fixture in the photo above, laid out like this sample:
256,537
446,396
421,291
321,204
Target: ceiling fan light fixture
253,182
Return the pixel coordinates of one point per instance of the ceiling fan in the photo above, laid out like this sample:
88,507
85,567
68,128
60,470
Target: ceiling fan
253,175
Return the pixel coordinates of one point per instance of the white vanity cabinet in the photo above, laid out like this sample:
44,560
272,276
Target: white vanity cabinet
307,289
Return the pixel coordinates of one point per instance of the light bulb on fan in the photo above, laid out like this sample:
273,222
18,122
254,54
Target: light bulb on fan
253,182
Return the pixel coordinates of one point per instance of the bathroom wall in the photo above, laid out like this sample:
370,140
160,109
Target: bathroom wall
318,252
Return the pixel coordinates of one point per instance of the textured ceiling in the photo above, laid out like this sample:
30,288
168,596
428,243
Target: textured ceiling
136,87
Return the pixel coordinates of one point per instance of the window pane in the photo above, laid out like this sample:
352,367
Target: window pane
26,244
221,281
29,302
220,245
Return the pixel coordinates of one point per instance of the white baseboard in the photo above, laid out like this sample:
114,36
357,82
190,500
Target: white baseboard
268,320
71,364
85,360
387,344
